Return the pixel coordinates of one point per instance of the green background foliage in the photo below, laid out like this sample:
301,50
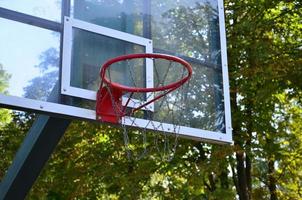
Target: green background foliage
265,67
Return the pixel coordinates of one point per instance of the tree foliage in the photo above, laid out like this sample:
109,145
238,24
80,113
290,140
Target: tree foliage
265,66
4,83
264,40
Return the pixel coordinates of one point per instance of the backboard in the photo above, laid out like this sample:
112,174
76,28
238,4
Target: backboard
51,64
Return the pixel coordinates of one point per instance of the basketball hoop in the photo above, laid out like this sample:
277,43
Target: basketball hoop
109,106
114,99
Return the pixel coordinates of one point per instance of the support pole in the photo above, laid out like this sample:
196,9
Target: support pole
33,154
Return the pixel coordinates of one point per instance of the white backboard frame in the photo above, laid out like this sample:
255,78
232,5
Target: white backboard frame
68,89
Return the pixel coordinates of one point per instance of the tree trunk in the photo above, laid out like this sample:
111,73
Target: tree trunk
248,171
242,178
242,187
248,161
272,180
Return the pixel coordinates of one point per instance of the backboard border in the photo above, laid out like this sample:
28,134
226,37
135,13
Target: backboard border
225,74
66,111
59,110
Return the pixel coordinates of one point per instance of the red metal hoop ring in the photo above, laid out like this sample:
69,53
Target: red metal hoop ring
172,86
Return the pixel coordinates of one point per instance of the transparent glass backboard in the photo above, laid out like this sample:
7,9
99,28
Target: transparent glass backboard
66,61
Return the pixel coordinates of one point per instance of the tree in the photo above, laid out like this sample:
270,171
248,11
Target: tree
11,128
41,86
4,81
262,57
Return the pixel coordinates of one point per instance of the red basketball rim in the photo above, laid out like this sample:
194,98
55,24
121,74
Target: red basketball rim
173,85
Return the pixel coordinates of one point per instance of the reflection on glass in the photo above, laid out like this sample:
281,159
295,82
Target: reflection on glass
47,9
128,73
186,27
197,104
121,15
189,28
90,51
31,56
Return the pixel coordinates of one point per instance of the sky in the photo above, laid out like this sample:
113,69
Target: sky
21,44
47,9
